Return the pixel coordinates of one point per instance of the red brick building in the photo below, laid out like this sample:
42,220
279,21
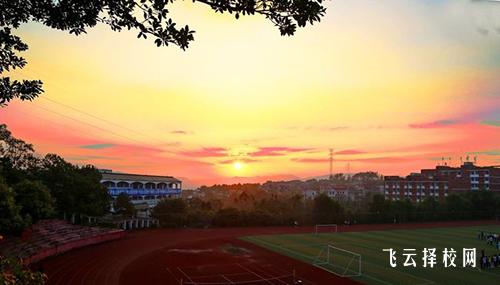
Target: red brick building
441,181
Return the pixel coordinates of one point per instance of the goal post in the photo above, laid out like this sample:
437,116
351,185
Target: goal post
325,228
341,262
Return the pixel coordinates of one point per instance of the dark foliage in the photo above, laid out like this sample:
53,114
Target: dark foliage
33,188
326,210
16,154
124,206
171,213
10,218
229,217
12,271
75,189
34,199
472,205
251,207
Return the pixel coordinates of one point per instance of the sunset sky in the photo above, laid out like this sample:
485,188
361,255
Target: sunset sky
391,86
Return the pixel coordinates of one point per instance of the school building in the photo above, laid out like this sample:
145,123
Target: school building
144,190
441,181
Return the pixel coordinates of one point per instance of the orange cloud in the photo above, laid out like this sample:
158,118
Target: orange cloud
206,152
276,151
434,124
350,151
245,160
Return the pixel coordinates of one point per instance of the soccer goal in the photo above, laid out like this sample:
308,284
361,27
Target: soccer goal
325,228
339,261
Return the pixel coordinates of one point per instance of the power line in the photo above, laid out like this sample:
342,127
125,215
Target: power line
89,124
149,137
87,113
58,123
99,118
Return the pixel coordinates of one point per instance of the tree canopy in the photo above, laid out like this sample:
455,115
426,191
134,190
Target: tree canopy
124,206
35,199
10,218
147,17
34,188
326,210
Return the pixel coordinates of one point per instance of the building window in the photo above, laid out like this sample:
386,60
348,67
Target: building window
123,184
137,185
108,184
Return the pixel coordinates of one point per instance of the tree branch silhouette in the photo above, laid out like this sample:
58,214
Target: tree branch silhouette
148,17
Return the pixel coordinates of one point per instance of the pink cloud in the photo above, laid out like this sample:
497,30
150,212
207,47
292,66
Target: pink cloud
340,128
349,151
462,138
311,160
245,160
151,160
248,179
368,160
276,151
433,125
206,152
134,150
384,159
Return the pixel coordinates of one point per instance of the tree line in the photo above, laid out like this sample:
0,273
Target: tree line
283,210
201,213
34,188
470,205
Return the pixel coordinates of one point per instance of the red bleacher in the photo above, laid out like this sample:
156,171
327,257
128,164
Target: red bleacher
51,237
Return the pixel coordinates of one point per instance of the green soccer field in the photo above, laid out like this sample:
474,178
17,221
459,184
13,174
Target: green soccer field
375,267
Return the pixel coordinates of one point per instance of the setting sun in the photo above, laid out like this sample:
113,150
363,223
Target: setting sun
237,165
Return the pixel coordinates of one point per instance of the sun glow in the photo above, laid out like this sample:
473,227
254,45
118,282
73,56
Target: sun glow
256,118
237,165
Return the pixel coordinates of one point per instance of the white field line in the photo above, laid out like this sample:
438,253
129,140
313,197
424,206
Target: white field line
427,281
261,277
171,273
230,281
187,276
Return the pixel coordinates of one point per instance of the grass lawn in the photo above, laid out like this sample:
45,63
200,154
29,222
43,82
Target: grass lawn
375,262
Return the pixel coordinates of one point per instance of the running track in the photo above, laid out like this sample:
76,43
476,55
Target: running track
132,260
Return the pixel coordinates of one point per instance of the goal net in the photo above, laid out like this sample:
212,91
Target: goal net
339,261
325,228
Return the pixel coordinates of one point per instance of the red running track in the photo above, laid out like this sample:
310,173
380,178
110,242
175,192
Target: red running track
155,256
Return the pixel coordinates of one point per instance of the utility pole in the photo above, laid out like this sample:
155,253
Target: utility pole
331,163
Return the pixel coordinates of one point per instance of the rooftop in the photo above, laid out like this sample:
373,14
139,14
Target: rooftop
441,171
137,177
